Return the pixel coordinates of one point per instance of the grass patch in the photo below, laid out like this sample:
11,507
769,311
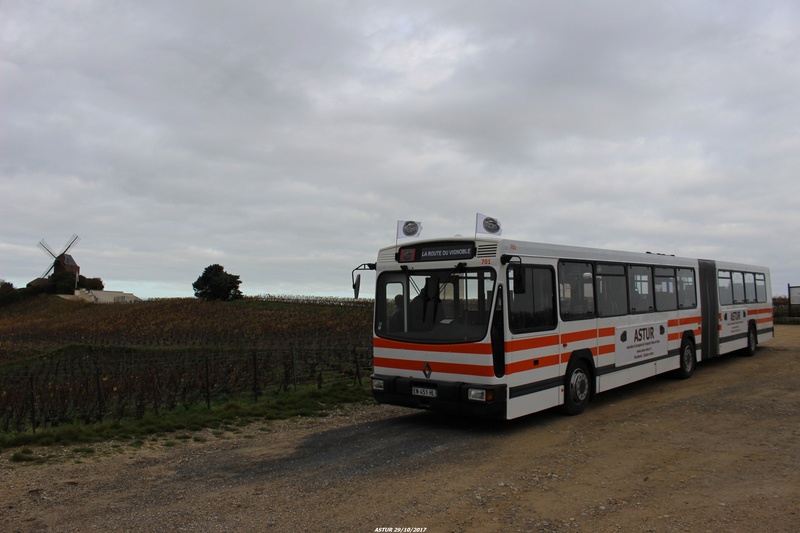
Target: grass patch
25,455
228,417
83,450
18,457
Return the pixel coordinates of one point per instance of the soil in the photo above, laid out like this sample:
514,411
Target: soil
717,452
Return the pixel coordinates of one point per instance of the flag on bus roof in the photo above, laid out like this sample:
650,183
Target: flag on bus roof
408,228
487,225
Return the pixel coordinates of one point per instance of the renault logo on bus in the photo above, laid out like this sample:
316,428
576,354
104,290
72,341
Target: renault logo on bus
427,370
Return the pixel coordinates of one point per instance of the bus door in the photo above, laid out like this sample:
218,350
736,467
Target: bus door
613,321
688,311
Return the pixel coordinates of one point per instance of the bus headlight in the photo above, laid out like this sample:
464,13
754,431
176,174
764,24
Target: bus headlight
377,384
480,395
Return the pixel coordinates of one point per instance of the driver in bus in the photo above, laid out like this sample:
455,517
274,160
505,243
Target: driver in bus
397,320
423,306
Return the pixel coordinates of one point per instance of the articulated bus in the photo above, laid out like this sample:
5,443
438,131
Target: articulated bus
502,328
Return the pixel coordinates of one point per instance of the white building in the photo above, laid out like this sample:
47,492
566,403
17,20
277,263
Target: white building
104,297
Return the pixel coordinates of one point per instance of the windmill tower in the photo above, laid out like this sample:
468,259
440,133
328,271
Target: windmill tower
62,262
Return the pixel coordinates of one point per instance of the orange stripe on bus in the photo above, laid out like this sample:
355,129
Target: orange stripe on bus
604,349
483,349
436,367
606,332
684,321
532,344
579,336
532,364
588,334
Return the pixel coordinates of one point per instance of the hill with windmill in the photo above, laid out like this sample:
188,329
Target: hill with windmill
63,277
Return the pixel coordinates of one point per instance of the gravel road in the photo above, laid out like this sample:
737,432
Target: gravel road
718,452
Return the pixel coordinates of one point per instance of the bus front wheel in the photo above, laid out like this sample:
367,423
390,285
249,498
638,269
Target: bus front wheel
577,388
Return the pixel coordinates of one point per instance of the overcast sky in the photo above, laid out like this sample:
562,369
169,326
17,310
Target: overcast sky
283,140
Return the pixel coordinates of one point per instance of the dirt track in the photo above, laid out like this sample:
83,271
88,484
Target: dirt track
718,452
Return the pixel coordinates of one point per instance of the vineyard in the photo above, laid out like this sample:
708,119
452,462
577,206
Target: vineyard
64,361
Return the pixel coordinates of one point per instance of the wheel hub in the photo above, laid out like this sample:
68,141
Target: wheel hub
579,386
688,358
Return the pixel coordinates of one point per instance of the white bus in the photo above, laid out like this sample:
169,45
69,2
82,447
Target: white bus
503,328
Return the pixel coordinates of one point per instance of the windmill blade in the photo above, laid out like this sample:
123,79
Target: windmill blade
72,241
47,272
46,248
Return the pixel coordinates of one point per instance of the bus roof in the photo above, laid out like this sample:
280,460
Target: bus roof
488,247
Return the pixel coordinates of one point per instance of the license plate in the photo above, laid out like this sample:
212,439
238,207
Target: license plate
422,391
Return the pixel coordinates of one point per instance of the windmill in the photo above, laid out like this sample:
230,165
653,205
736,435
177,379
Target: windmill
62,262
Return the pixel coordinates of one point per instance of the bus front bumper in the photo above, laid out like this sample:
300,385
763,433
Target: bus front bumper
456,397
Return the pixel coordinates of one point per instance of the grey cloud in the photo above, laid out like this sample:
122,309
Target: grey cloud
284,140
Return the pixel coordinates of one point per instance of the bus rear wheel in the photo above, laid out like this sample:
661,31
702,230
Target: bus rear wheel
752,341
577,388
688,360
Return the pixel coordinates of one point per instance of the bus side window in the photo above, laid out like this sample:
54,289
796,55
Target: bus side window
687,293
576,290
666,295
612,290
531,301
737,279
761,288
750,287
640,286
725,288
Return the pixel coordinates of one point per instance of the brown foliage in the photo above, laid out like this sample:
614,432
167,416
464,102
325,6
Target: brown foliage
46,323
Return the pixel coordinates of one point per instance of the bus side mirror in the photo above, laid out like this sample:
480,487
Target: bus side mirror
357,278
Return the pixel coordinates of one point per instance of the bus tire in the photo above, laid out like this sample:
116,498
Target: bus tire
577,388
752,341
688,359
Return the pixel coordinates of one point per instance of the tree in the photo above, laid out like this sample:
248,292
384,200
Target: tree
90,284
63,282
6,286
216,284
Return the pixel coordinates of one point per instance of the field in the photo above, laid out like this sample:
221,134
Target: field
717,452
63,361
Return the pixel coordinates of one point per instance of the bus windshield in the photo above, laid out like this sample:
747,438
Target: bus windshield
434,306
